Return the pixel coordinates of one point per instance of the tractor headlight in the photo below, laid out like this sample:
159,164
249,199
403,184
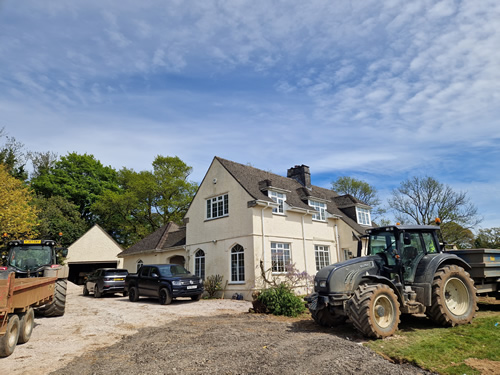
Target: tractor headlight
322,284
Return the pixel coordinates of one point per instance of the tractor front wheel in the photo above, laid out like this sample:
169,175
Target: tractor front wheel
453,297
374,310
326,318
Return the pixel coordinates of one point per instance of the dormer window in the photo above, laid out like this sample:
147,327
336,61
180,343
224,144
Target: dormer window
320,207
363,216
279,198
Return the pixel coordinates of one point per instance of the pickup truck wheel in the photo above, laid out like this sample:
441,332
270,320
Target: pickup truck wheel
374,310
58,305
133,294
165,297
26,324
454,299
196,297
85,290
326,318
9,340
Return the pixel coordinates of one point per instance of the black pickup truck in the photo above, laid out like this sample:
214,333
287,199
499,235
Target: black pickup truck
163,281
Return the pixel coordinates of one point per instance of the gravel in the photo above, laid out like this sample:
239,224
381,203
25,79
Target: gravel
114,336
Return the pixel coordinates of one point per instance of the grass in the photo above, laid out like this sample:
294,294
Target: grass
445,350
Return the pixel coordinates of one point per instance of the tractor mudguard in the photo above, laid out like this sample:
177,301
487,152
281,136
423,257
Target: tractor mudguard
376,279
430,263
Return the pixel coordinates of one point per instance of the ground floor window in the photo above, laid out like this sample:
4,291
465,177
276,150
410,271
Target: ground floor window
199,264
138,265
237,264
280,256
322,254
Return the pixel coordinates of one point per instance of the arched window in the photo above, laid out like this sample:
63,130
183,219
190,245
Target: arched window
199,264
237,264
139,265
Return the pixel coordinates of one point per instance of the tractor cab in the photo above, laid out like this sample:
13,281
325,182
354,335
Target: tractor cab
401,248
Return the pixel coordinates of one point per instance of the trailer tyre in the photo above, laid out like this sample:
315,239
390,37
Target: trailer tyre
454,299
326,318
133,294
9,340
26,324
374,310
58,305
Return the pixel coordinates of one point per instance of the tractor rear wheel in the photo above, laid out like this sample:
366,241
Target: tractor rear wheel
326,318
453,297
58,305
374,310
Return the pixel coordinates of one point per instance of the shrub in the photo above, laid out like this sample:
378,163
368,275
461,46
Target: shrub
213,284
280,300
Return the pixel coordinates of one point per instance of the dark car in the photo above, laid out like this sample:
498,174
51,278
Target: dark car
165,282
105,281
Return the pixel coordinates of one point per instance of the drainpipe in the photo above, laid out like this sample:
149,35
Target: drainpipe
337,241
304,246
263,234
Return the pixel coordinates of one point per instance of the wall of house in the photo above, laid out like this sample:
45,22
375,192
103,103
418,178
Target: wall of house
216,237
130,261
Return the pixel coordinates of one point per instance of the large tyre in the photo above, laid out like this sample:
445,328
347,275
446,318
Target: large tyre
85,290
374,310
133,294
9,340
165,297
454,299
58,305
26,324
326,318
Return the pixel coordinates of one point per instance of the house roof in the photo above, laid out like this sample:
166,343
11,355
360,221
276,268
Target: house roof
168,236
256,182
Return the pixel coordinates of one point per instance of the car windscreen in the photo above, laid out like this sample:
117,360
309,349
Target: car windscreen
173,270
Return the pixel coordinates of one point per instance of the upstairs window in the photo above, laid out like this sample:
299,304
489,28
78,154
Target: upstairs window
363,216
321,208
279,198
218,206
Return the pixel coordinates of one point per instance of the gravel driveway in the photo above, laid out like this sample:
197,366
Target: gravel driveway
205,337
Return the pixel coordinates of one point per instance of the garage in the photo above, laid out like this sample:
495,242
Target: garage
78,271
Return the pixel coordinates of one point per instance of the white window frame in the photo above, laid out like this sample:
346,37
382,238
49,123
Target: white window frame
237,264
320,207
281,257
217,207
322,256
199,263
363,216
279,198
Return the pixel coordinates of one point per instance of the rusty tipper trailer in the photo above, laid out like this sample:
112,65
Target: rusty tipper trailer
17,299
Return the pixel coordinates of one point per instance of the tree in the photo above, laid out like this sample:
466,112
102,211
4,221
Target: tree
457,235
358,189
488,238
18,217
42,162
80,179
13,157
362,191
146,200
419,200
57,215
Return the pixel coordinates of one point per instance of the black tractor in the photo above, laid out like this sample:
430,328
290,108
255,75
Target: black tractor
405,271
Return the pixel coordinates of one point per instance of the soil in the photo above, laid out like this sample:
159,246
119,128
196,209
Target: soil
114,336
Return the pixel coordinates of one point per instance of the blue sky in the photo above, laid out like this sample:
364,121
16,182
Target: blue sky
379,91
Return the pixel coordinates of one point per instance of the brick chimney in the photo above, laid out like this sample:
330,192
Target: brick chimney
301,174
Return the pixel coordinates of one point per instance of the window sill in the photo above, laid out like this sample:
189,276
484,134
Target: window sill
215,218
236,283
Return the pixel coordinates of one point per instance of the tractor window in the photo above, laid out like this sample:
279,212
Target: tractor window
30,257
429,243
411,255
